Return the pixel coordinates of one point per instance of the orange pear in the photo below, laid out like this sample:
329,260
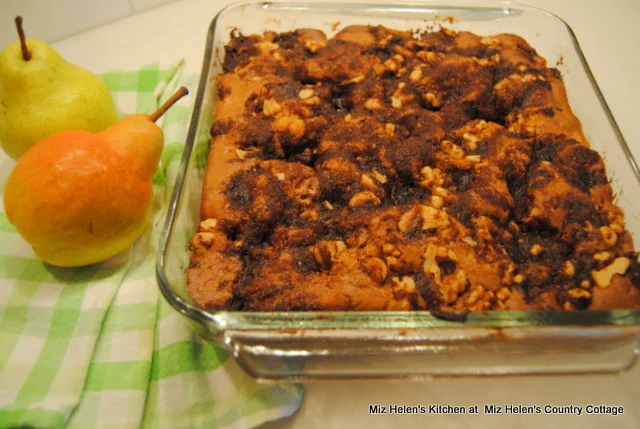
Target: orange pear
80,198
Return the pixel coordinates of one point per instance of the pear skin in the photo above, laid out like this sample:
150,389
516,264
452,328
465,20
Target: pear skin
75,200
138,139
47,95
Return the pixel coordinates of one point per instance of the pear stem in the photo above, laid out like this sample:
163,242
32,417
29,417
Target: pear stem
26,55
181,92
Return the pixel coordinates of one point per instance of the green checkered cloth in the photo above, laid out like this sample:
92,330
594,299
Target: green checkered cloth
98,347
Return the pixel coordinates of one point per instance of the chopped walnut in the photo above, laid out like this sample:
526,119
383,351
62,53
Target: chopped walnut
327,251
518,278
578,293
433,218
402,51
306,191
204,239
409,219
452,286
393,263
436,201
602,256
507,275
239,243
373,104
603,277
306,93
430,265
427,174
208,224
569,269
503,294
364,198
416,74
426,56
398,58
406,282
440,191
367,181
309,214
449,32
389,249
536,249
405,289
431,98
292,123
470,241
452,149
379,177
396,103
391,65
431,177
475,295
357,79
377,269
575,294
359,239
619,229
314,45
484,227
390,128
271,107
379,69
609,236
471,141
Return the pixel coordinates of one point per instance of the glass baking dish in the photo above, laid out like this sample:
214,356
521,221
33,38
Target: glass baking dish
299,345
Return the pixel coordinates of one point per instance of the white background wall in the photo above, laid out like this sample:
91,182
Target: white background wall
52,20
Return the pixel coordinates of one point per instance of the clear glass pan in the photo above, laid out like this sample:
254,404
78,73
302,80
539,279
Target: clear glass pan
299,345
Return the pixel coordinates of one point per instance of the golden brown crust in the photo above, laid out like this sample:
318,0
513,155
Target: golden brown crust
381,171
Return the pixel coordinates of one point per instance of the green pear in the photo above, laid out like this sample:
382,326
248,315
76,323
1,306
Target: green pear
41,94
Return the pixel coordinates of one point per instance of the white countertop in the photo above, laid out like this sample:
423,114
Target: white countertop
609,35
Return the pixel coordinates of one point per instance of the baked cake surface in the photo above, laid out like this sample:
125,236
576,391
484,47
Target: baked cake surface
383,170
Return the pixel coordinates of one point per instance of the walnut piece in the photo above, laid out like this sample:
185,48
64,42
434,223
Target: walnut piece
305,93
377,270
271,107
603,277
208,224
364,198
327,251
609,236
432,218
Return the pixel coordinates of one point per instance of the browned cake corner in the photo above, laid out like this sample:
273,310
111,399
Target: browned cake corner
378,170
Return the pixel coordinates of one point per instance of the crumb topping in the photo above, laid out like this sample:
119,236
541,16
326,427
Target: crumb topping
384,170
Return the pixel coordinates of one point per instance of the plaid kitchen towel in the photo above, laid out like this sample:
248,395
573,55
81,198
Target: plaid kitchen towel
98,347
